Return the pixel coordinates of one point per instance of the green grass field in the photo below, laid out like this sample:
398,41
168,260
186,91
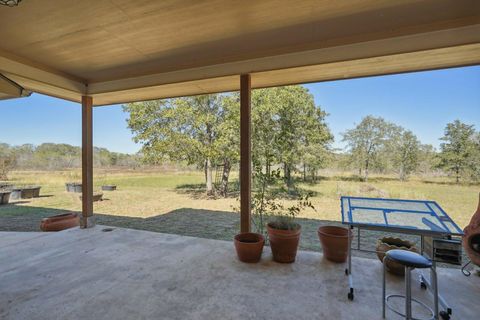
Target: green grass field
174,202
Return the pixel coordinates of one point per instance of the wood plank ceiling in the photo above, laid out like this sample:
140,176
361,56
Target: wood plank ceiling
123,50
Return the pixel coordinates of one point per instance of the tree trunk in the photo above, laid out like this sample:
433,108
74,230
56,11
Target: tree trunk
304,172
457,175
366,170
205,170
267,168
402,174
209,180
226,173
287,173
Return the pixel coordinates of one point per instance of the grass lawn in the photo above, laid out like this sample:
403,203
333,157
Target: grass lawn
174,202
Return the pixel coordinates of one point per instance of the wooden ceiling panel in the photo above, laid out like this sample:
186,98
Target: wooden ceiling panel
106,40
128,48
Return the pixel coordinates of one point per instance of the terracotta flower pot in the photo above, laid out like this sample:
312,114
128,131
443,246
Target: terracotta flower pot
59,222
386,244
334,242
249,246
284,243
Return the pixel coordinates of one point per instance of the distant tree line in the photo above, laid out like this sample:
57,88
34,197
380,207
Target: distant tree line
52,156
381,146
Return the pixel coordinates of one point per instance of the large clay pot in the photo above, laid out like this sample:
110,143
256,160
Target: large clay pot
60,222
471,238
284,243
249,246
334,242
386,244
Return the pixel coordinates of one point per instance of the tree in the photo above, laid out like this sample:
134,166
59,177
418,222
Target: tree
288,129
459,150
190,129
428,159
366,141
406,153
7,160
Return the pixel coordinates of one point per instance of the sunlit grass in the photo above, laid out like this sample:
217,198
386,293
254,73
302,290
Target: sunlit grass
149,194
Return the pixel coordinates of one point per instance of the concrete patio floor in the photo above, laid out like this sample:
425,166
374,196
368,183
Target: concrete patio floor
131,274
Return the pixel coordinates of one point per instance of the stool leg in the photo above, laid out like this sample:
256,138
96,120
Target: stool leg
383,286
408,293
433,270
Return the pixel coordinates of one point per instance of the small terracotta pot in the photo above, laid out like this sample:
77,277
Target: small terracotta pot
284,243
386,244
60,222
334,242
249,246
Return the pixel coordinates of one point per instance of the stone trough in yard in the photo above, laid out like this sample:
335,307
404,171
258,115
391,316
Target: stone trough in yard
4,197
24,192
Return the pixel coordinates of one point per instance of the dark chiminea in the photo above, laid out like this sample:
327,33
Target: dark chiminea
471,239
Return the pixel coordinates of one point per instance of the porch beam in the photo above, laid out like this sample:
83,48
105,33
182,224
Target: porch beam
245,152
87,219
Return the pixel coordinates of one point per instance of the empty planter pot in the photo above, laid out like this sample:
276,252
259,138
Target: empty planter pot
109,188
16,194
73,187
30,192
334,242
96,197
4,197
26,192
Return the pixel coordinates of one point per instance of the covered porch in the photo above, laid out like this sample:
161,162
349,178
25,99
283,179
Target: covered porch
131,274
109,52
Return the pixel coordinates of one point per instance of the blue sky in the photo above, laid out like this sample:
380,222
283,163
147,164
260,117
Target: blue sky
423,102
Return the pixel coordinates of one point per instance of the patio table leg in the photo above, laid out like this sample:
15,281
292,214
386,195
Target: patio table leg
348,271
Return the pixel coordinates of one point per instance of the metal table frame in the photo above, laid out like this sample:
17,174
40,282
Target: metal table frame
426,282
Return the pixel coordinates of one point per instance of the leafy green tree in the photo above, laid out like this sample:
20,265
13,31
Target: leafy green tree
406,153
459,149
367,141
7,160
288,129
183,129
427,159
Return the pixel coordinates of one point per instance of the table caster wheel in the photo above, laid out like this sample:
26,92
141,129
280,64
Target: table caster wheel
444,315
346,272
423,285
350,295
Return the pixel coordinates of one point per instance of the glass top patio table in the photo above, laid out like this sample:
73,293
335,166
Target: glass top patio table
412,216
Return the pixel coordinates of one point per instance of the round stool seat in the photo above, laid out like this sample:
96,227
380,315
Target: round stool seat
409,259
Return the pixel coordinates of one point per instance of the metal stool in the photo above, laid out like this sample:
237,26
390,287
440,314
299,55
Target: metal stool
410,260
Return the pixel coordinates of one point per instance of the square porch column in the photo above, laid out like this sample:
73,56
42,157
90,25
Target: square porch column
245,153
87,219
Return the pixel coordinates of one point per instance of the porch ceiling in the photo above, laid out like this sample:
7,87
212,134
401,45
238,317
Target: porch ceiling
122,50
